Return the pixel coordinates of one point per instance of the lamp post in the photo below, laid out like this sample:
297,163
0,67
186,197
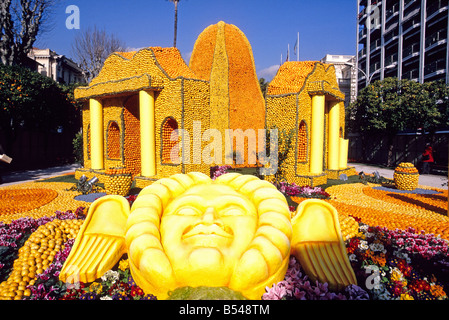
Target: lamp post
368,77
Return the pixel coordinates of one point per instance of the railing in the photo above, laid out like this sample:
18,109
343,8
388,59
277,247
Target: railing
435,6
435,37
414,48
434,66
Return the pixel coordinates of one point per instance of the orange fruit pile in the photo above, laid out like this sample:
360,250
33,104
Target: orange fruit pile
22,200
168,144
113,141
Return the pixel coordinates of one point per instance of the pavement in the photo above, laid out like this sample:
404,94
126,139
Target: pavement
38,174
436,181
429,180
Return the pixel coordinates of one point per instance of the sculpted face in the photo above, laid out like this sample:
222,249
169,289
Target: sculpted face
206,230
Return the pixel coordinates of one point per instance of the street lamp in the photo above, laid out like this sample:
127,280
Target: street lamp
370,77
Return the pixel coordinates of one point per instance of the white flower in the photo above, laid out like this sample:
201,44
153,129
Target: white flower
363,245
377,247
110,275
106,298
352,257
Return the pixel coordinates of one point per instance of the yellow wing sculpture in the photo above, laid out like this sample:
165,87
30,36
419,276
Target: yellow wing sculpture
267,235
318,245
100,242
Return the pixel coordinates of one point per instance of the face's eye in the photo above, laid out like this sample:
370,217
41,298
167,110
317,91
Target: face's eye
188,211
232,211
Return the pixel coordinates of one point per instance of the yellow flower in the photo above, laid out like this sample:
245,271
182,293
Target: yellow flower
406,296
123,265
95,287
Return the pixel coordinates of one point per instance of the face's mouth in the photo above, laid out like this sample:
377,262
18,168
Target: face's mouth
207,230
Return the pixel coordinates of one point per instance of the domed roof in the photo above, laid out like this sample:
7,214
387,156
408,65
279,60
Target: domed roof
222,55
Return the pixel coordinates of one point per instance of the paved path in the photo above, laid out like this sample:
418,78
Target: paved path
429,180
32,175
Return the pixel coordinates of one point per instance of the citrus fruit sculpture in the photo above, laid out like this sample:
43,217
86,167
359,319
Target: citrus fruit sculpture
406,176
188,230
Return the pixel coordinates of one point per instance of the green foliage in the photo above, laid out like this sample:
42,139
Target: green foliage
393,105
78,148
205,293
31,101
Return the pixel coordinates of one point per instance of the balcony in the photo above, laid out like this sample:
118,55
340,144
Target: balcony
411,51
436,39
375,45
436,7
411,74
435,68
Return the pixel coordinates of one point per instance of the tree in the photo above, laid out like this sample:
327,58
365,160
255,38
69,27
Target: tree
21,21
32,102
263,86
176,21
386,107
91,48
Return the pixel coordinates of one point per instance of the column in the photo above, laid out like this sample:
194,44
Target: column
344,145
334,136
96,134
317,134
147,133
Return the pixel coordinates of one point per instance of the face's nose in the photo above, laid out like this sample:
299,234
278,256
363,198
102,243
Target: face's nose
210,217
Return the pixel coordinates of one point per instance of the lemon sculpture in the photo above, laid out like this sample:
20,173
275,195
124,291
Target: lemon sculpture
188,230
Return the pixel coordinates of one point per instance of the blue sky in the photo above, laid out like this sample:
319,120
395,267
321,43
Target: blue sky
324,26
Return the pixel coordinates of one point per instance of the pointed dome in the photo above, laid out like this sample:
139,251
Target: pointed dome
222,55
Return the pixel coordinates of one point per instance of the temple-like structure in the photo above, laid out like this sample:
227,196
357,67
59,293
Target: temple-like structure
135,107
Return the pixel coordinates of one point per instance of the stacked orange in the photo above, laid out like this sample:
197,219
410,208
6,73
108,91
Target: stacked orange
229,66
167,143
22,200
131,154
406,176
113,141
290,77
172,62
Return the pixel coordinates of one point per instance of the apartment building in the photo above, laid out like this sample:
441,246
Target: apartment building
56,66
346,74
407,39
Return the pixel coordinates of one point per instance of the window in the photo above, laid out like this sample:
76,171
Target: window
113,140
168,143
302,142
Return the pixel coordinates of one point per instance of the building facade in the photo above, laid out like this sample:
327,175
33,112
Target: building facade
407,39
346,74
56,66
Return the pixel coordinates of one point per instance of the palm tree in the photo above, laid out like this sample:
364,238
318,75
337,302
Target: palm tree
176,20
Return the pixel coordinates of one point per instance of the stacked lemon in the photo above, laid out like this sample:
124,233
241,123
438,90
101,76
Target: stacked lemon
406,176
118,181
36,255
349,227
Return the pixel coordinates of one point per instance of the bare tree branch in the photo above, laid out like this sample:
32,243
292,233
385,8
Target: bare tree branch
21,21
91,48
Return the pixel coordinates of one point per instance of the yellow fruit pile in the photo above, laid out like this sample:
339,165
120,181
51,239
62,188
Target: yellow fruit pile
36,255
406,176
118,181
